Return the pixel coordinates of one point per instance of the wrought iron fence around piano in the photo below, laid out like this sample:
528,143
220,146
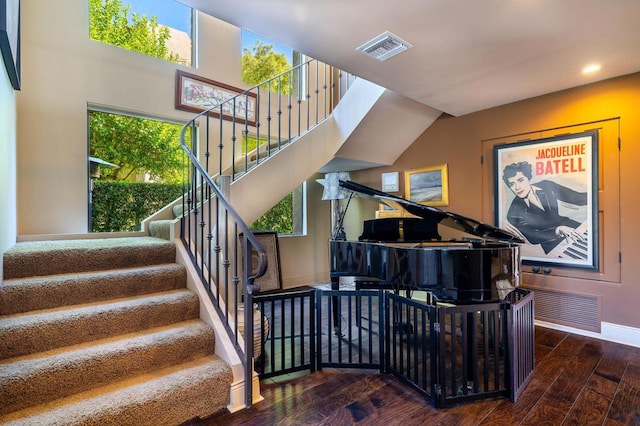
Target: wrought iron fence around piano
450,353
459,353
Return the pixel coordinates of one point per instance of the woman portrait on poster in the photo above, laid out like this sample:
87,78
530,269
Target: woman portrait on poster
534,212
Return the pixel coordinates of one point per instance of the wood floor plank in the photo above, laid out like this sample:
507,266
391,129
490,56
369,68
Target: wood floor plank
560,396
625,407
593,404
545,374
577,381
369,408
384,405
547,337
609,371
590,409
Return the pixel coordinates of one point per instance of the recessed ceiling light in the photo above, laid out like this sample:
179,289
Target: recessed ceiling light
591,68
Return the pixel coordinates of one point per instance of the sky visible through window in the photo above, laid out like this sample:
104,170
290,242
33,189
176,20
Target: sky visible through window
177,15
249,40
170,13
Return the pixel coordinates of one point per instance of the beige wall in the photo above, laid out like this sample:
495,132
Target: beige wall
7,164
465,144
63,72
305,259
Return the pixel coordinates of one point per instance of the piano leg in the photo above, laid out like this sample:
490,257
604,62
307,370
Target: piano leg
402,320
335,285
471,354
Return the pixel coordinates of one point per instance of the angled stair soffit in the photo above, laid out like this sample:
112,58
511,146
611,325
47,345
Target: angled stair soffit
392,124
357,135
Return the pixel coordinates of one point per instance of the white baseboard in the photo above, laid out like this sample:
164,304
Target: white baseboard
608,331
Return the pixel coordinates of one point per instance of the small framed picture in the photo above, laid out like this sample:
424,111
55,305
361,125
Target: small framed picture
428,185
390,182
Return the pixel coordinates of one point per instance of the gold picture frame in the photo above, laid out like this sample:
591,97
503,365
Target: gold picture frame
427,185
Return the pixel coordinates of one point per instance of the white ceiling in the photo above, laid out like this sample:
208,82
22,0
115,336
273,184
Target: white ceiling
467,55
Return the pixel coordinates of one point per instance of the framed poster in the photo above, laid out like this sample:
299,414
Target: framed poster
197,94
428,185
546,191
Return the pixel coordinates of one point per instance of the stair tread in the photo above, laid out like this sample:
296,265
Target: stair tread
33,280
29,332
57,373
93,348
94,307
121,402
26,247
41,258
44,292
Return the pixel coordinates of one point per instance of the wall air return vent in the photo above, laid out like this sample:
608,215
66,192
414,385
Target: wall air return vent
384,46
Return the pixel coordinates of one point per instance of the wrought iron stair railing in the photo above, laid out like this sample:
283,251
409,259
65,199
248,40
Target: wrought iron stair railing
221,246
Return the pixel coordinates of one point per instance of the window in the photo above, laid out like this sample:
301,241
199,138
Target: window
261,60
159,28
135,169
287,217
250,40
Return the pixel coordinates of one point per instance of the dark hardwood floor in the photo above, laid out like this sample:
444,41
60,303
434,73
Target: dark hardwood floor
577,381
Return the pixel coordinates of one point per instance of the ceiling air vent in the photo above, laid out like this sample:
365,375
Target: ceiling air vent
384,46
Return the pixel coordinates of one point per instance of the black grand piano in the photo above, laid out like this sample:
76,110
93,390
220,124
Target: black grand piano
472,335
473,263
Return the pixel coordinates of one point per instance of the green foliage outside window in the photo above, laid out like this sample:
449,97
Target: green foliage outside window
249,143
278,218
258,65
121,206
262,63
142,149
109,22
138,146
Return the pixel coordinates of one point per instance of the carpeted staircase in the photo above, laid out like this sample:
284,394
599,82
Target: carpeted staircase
104,332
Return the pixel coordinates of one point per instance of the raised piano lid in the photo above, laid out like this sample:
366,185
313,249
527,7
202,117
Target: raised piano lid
451,220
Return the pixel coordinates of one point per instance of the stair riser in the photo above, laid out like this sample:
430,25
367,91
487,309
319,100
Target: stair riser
73,260
61,375
42,332
28,294
79,346
197,390
177,405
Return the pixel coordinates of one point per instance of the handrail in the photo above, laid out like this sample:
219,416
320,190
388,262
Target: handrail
221,251
219,243
313,90
253,241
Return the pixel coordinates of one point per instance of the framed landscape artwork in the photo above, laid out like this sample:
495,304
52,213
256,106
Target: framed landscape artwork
428,185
